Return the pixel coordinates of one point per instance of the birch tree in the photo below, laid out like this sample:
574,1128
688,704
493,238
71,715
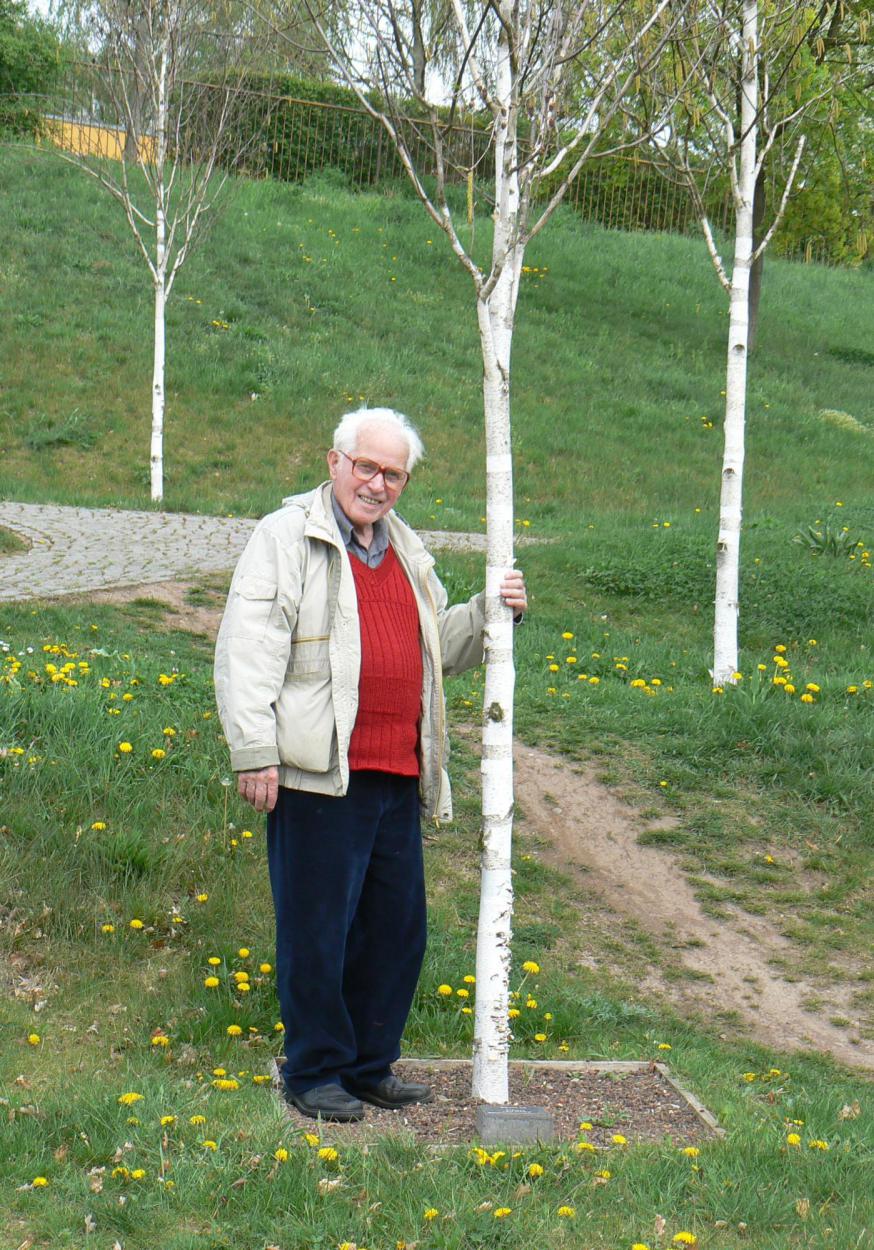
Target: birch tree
750,87
520,64
181,145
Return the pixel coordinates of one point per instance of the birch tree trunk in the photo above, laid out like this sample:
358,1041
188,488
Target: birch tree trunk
156,449
725,648
496,309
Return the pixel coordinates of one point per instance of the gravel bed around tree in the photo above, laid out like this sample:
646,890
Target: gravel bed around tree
641,1105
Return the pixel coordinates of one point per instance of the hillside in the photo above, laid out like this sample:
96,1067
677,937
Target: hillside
693,869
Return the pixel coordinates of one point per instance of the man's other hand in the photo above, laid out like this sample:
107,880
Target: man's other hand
513,591
260,788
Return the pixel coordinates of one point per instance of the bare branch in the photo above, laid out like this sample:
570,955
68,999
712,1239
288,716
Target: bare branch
778,216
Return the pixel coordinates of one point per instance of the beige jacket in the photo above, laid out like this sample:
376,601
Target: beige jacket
288,651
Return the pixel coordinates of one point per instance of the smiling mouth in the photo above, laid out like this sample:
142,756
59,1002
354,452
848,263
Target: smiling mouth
369,499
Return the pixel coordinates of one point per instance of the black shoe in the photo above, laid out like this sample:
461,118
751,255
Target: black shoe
393,1093
326,1102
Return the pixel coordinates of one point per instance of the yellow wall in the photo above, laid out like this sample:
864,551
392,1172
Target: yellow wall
91,139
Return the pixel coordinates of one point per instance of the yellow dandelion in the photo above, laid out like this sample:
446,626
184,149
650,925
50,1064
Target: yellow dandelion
535,1170
211,982
501,1213
792,1139
567,1213
167,1121
684,1239
531,967
234,1030
33,1039
197,1119
280,1154
431,1214
128,1100
107,928
39,1182
444,990
136,924
328,1154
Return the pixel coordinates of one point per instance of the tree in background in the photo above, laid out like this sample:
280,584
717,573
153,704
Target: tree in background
753,91
520,65
30,65
181,142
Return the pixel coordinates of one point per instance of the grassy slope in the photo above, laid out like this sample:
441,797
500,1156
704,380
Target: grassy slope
619,356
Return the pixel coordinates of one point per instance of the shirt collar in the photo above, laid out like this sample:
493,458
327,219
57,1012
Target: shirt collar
379,543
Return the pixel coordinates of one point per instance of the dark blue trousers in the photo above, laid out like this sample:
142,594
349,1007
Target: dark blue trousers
349,894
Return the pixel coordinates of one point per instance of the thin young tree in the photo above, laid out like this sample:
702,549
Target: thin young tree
751,90
548,77
181,143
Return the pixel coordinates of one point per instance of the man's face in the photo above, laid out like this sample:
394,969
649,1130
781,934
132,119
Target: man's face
366,502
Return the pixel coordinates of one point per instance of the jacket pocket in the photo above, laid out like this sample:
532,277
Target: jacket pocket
256,609
308,657
305,732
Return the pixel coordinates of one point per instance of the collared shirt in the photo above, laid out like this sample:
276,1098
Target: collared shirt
373,555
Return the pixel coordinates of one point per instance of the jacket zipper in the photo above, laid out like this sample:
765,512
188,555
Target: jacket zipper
441,729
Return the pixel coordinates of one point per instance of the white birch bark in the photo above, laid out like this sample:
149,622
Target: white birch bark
496,310
725,643
156,449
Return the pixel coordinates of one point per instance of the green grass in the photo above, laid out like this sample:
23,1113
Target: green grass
618,368
95,837
10,542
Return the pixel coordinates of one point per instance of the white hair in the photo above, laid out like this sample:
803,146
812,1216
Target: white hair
351,424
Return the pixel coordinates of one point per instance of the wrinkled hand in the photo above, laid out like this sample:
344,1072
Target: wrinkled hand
260,788
513,591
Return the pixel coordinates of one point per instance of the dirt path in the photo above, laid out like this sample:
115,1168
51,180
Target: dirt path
585,829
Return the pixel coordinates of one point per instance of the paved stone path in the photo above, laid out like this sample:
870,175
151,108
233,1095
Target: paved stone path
75,550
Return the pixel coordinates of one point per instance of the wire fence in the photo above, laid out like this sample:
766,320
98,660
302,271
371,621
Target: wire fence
289,139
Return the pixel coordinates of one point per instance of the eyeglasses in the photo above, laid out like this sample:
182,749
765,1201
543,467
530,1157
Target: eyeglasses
366,470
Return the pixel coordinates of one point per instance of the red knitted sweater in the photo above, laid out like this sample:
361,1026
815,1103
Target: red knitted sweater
386,733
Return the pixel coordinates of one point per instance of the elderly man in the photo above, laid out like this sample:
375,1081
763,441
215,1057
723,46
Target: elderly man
329,670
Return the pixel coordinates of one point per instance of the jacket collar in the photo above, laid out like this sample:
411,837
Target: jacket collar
321,523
